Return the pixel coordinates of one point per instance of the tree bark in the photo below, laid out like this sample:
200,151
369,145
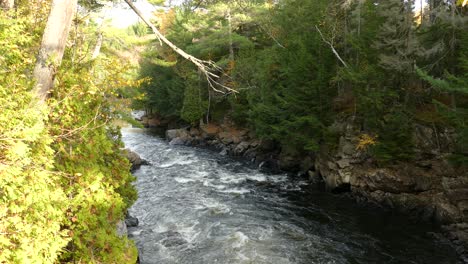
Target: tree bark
53,45
97,48
7,4
231,48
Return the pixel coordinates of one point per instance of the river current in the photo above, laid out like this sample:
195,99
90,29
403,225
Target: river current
198,207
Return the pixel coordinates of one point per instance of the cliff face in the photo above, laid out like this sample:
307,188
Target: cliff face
427,188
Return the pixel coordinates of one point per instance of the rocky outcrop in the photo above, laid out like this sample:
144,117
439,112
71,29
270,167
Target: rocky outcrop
428,188
157,121
151,121
179,136
134,159
131,221
233,141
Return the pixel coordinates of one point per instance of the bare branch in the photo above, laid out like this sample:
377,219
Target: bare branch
206,67
332,48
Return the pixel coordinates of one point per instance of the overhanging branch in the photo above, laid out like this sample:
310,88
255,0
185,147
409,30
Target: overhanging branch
332,48
206,67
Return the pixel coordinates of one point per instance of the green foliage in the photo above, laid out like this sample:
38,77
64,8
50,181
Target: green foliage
192,109
64,183
157,2
163,89
456,116
394,140
292,102
87,150
216,46
292,85
31,200
140,29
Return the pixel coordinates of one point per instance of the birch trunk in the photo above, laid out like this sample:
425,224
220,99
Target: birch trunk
53,45
7,4
97,48
231,48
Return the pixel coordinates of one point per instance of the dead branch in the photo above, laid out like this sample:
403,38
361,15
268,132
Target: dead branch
332,48
206,67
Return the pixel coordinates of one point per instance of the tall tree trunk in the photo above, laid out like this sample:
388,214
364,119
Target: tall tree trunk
7,4
53,45
97,48
231,48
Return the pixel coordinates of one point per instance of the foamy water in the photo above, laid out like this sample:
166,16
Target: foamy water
197,207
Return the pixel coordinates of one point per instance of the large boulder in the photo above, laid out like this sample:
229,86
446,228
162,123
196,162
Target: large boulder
131,221
179,136
134,159
177,133
150,120
241,148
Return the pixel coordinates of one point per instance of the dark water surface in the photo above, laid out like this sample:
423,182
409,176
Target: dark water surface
198,207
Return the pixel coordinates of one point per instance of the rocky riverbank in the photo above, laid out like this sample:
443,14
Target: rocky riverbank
426,189
122,226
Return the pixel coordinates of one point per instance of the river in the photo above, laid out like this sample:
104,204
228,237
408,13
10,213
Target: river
196,206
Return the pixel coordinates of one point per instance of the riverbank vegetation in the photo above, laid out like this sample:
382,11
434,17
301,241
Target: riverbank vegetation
286,69
65,183
298,66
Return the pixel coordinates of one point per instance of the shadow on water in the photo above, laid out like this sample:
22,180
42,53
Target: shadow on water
196,206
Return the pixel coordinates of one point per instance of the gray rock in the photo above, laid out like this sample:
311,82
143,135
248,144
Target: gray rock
346,148
177,133
314,177
122,228
194,132
307,164
226,138
134,159
223,152
241,148
445,212
255,143
343,163
131,221
250,153
178,141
